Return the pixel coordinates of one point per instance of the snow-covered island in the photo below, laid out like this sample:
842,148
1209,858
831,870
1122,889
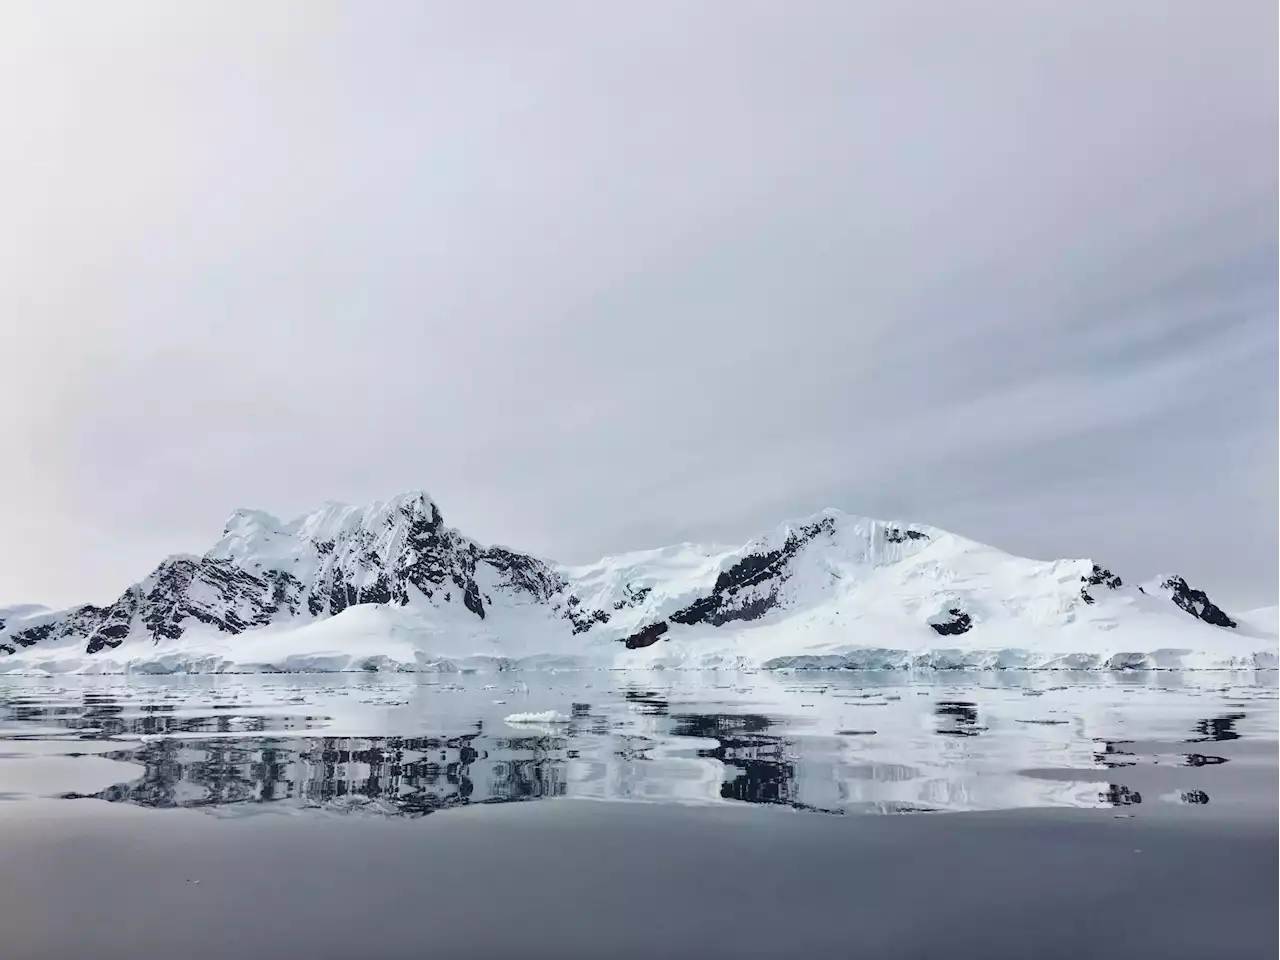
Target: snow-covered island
390,587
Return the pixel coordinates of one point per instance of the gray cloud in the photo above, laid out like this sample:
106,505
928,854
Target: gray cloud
602,278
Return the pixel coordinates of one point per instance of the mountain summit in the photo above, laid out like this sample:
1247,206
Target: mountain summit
389,586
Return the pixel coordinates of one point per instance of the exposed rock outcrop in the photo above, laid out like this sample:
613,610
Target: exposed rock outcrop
1196,602
1100,576
956,623
749,589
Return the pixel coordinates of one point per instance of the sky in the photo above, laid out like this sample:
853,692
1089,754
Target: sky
602,277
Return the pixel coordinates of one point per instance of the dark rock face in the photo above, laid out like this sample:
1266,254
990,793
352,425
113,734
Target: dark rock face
521,573
436,556
114,622
163,610
648,636
960,622
634,596
471,599
352,569
581,618
33,635
1100,576
1196,603
231,598
767,570
731,597
894,535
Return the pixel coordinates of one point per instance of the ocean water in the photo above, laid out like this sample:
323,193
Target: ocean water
928,805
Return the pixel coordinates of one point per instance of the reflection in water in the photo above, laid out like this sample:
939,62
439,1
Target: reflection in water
417,775
412,775
245,744
1117,795
760,771
103,717
1111,756
1200,760
957,718
1218,728
647,701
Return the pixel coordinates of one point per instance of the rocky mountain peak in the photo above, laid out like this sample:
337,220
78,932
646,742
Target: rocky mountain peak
1194,602
264,571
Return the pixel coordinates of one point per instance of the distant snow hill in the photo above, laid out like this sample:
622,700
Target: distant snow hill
390,587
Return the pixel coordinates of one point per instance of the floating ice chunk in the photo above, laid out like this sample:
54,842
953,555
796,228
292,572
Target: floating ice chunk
544,716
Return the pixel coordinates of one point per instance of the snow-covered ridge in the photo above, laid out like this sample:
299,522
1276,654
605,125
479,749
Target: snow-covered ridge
389,586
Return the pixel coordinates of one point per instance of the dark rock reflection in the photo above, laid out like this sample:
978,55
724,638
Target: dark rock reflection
957,718
1118,795
252,758
744,745
249,759
102,717
1218,728
404,775
213,749
1108,753
648,702
1200,760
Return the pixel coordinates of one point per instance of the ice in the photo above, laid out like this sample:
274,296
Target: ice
544,716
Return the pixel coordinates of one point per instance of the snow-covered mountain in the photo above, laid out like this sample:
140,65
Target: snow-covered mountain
389,586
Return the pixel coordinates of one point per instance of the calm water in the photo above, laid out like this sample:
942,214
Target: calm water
1044,815
834,743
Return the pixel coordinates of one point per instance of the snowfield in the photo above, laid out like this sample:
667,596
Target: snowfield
389,587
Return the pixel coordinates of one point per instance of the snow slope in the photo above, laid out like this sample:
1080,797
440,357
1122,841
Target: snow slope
389,586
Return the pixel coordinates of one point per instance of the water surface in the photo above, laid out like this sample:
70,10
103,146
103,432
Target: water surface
835,743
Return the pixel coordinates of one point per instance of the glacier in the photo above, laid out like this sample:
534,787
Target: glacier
389,586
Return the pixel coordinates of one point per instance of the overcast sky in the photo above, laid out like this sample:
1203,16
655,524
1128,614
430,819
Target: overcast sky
603,276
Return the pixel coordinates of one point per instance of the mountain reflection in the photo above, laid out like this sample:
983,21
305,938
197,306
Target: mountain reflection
957,718
101,717
418,775
1218,728
820,746
761,772
1118,795
403,775
409,776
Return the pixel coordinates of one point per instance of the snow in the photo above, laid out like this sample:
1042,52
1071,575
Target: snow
1262,621
862,594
